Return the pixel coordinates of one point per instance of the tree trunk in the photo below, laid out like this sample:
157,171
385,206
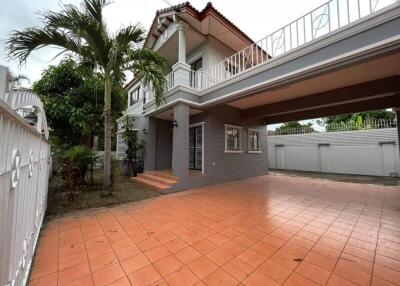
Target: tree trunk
107,138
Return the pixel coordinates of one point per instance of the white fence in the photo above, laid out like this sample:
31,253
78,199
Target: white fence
24,173
335,127
365,152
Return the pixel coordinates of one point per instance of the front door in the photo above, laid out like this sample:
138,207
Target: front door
196,148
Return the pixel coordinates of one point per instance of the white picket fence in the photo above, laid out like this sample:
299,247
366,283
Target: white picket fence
24,173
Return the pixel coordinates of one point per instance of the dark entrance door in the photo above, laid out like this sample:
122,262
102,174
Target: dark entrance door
196,148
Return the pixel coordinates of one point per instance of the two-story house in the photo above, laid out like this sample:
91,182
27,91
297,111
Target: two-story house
223,88
199,145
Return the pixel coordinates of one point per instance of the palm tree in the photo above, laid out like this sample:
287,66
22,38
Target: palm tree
81,31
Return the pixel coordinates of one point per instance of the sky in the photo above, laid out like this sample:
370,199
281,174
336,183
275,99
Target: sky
257,18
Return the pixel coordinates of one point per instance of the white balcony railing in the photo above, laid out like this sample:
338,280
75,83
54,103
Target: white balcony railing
321,21
329,17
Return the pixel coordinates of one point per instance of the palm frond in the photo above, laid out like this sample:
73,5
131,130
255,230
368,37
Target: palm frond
147,55
133,34
150,67
21,43
83,26
94,8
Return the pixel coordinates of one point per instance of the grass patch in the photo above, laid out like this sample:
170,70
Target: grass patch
124,190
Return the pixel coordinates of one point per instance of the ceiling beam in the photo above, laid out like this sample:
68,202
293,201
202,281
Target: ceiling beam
360,106
337,96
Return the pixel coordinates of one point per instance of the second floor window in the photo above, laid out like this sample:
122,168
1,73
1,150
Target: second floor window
198,64
134,96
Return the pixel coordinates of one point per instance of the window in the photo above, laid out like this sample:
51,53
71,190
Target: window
254,141
195,80
134,96
198,64
233,138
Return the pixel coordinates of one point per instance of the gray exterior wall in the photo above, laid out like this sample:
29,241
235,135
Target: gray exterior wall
367,152
163,145
218,165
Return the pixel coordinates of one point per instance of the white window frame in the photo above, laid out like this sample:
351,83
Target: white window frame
240,139
138,89
248,141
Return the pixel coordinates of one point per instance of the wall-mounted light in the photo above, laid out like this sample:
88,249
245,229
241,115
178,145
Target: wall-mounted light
174,124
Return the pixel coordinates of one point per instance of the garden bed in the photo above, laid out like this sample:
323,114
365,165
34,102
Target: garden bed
124,190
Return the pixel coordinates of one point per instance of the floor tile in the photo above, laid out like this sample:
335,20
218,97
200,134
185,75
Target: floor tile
182,277
313,272
187,255
167,265
219,256
108,274
296,279
220,278
144,276
157,253
259,279
202,266
204,246
135,263
238,269
275,271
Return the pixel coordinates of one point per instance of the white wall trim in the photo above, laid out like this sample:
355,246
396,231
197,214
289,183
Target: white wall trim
197,124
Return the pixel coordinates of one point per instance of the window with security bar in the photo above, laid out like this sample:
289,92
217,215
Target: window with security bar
254,141
233,138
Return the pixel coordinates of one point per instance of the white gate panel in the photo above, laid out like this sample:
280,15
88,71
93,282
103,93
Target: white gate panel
24,173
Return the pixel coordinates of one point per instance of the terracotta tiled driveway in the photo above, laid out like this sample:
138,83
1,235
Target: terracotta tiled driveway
270,230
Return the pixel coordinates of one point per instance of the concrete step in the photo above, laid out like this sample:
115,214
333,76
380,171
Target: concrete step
157,178
151,183
163,175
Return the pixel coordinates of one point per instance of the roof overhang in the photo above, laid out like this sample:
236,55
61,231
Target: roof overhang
208,21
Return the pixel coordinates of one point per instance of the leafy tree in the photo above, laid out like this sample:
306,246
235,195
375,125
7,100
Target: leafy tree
365,116
82,32
292,126
356,121
71,95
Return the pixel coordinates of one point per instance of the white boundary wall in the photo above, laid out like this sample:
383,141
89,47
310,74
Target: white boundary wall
24,173
366,152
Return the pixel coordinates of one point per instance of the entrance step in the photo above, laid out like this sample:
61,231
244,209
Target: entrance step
156,180
162,174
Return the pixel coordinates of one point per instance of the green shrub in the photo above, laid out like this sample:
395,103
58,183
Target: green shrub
83,158
75,164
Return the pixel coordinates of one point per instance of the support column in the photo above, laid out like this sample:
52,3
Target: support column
397,110
265,147
181,69
181,42
180,141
